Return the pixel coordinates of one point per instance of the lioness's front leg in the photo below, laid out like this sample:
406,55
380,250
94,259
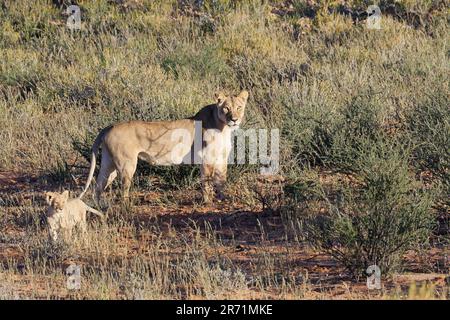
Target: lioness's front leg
213,179
219,180
206,172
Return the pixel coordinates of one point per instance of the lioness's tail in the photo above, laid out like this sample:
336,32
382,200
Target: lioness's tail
101,215
97,143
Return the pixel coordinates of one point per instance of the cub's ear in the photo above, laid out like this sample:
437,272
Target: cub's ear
65,195
243,95
49,197
220,97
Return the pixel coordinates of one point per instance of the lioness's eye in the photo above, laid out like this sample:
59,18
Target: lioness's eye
225,110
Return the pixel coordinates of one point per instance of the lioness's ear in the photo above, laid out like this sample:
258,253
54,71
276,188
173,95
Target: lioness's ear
220,97
243,95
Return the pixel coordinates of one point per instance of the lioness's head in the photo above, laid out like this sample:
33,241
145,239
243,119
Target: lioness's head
231,109
57,200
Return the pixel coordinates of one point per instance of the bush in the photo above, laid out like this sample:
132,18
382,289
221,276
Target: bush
373,222
428,128
334,139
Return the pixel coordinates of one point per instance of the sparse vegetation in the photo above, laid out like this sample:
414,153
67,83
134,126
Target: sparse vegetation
364,123
372,222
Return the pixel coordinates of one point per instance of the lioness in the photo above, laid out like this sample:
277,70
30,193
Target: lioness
170,142
64,214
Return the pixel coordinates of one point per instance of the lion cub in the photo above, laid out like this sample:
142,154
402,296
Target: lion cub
64,214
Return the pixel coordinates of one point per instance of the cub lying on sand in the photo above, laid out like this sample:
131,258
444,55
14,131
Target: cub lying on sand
64,214
159,143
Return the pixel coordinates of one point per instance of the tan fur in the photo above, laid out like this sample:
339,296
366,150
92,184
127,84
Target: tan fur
64,214
124,143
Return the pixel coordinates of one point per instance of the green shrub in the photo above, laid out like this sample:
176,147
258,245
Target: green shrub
428,128
372,221
333,139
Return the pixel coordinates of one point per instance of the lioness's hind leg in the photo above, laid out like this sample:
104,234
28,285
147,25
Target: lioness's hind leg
106,175
105,182
111,178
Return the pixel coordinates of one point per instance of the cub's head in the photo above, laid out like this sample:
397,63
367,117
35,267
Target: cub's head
231,108
57,200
